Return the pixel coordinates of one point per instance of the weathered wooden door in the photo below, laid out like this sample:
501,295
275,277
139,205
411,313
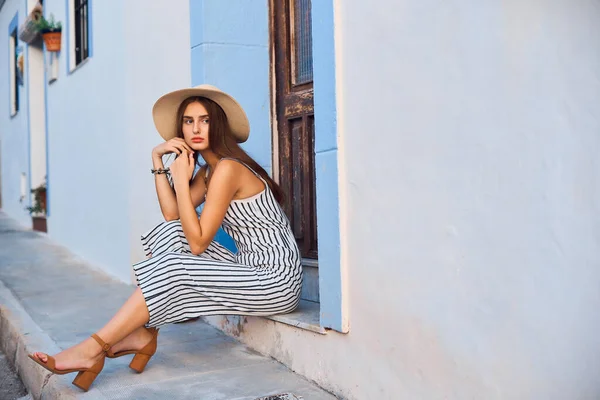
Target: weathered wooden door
291,62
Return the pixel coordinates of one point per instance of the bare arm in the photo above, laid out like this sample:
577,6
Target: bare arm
225,183
164,191
166,194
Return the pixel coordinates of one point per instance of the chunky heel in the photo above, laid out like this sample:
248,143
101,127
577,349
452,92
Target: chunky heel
141,357
84,380
139,362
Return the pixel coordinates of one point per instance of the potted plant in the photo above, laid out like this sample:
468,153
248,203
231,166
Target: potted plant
38,209
51,32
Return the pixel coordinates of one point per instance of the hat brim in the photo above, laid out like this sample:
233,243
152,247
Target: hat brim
165,109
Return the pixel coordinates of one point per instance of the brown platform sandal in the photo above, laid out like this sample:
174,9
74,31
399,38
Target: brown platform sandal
86,376
142,356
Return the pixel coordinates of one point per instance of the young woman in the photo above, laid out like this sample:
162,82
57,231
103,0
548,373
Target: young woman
187,274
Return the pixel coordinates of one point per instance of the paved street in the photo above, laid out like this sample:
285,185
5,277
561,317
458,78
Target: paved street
11,387
194,360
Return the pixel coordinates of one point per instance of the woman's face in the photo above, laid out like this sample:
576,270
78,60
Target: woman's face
195,126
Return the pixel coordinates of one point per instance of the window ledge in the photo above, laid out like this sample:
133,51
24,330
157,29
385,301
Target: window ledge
305,317
78,66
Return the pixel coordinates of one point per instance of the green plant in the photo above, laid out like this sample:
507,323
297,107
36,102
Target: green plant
48,25
39,200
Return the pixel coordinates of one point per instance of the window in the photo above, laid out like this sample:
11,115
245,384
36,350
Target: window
81,14
291,41
13,68
79,31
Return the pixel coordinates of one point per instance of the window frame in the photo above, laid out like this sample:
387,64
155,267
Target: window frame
81,17
75,58
13,43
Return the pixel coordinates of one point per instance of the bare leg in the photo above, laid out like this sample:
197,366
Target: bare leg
131,316
136,340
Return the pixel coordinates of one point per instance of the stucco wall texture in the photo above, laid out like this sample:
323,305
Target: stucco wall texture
14,141
469,145
139,53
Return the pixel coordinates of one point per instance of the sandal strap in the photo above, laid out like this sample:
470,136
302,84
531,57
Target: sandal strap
105,346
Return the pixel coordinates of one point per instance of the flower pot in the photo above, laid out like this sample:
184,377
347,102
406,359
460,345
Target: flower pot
52,40
28,31
43,200
39,223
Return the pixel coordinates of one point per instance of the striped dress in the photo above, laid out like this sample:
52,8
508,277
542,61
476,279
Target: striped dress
263,278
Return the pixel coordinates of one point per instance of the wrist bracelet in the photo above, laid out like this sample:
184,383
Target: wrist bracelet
160,171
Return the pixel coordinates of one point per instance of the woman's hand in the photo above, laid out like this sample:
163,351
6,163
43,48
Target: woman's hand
175,145
182,169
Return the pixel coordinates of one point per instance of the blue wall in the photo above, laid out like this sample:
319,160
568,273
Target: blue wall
230,49
326,167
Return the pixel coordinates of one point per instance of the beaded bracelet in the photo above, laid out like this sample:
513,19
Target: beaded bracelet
160,171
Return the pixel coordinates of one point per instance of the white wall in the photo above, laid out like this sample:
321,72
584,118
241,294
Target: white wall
87,186
469,139
14,139
37,108
101,130
157,62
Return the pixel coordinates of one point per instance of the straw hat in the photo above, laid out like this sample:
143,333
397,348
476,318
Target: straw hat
164,111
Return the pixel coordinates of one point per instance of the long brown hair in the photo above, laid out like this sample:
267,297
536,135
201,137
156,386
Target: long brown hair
222,142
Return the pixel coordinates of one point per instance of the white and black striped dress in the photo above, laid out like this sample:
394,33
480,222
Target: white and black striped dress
264,277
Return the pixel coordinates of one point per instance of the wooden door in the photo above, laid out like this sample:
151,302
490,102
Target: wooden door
291,63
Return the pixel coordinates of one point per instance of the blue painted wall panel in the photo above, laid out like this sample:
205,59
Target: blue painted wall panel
197,60
90,4
243,72
330,283
324,76
12,27
229,49
238,66
328,227
196,23
236,22
232,53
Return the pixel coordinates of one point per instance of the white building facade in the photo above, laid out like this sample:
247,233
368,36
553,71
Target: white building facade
450,248
88,127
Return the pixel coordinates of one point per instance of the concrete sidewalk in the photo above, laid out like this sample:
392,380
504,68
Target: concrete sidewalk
51,299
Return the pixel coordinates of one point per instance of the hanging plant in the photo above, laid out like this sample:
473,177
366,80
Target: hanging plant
51,32
39,200
44,25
